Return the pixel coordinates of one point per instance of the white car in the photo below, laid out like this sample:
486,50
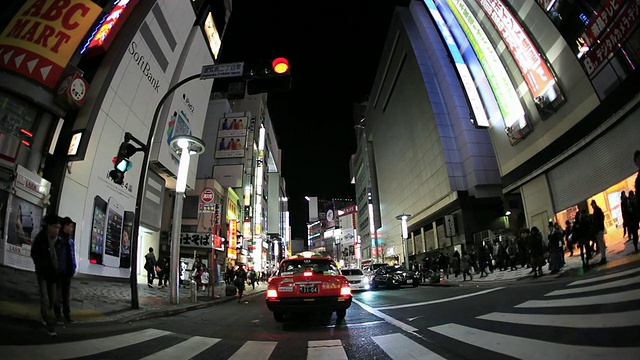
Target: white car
357,279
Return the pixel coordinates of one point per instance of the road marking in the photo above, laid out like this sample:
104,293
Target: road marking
588,300
326,350
386,317
522,348
607,285
255,350
439,300
581,321
184,350
400,347
79,348
605,277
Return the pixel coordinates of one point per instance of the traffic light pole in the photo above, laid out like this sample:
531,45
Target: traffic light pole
141,191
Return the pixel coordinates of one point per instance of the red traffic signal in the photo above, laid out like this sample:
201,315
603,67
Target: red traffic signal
280,65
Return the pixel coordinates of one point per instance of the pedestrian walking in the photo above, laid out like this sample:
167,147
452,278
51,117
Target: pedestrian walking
633,218
66,251
580,234
46,263
568,238
598,227
150,266
536,249
465,266
556,260
240,280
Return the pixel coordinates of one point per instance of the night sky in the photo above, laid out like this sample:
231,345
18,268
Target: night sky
334,48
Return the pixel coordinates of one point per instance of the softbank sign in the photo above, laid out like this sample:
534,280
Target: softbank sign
144,65
153,40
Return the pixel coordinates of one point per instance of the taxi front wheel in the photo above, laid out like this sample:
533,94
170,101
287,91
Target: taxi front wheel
340,314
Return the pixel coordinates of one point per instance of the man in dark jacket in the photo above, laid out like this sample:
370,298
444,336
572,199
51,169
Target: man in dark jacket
65,249
598,225
45,260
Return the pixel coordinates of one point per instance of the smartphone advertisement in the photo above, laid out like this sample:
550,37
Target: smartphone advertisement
127,230
110,234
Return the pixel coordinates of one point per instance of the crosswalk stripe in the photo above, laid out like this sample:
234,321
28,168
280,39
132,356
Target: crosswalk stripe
605,277
400,347
255,350
385,317
326,350
523,348
184,350
439,300
586,321
78,348
588,300
607,285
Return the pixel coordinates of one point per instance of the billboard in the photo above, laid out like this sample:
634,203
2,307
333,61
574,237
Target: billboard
40,40
533,67
232,137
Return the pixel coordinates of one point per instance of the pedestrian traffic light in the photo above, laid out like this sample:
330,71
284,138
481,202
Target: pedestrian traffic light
121,162
266,76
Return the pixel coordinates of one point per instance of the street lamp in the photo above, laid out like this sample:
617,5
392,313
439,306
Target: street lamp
185,146
405,235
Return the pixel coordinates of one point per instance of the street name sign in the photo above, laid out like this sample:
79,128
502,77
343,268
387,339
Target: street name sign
221,70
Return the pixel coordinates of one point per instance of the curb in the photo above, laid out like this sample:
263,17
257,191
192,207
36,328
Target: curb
179,310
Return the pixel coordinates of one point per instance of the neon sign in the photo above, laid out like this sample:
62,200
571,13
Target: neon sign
505,94
533,67
109,26
467,81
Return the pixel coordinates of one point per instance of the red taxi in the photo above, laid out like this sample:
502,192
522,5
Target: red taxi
308,281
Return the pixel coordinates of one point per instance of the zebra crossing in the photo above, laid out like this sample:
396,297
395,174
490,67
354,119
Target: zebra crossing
567,310
396,346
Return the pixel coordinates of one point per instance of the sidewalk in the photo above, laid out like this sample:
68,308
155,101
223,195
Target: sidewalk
100,299
619,252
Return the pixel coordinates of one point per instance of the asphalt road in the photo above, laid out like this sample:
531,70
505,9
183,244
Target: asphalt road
585,318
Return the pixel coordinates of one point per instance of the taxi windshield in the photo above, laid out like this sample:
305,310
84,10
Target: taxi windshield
317,266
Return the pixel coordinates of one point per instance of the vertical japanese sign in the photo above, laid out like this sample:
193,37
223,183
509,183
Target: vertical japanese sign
232,253
39,41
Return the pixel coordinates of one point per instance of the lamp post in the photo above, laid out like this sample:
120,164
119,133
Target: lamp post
405,235
185,146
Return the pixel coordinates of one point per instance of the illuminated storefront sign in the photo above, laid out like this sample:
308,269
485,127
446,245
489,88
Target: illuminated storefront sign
617,33
39,41
505,94
232,236
467,81
602,20
534,69
103,36
212,35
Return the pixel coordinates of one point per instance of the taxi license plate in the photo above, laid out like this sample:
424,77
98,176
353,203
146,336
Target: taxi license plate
409,281
308,289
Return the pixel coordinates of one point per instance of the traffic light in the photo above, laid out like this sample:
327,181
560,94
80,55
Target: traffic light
121,162
266,76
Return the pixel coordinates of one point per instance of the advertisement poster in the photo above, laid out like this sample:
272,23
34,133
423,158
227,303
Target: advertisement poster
23,226
232,135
